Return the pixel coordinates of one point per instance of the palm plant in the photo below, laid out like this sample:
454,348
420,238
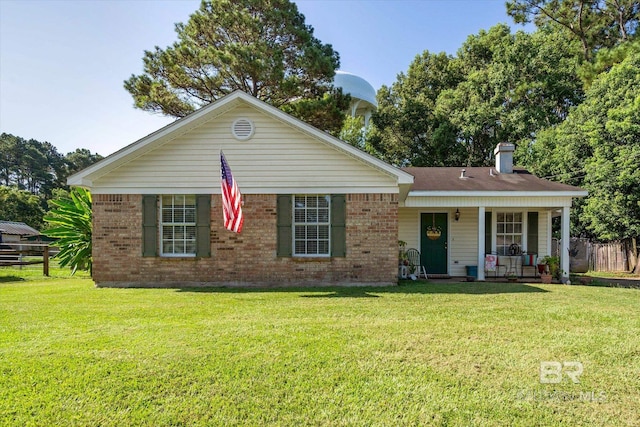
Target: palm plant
70,220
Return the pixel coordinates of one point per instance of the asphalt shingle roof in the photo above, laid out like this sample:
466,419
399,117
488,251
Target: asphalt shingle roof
480,179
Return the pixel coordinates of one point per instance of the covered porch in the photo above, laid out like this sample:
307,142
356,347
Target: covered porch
516,236
456,217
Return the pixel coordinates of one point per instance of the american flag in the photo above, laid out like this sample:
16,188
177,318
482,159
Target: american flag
231,198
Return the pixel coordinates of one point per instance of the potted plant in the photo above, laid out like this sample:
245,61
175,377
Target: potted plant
554,267
413,271
542,267
552,270
403,259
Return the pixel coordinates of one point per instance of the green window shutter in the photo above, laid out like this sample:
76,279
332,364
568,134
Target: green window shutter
284,222
203,225
338,222
150,225
532,232
487,232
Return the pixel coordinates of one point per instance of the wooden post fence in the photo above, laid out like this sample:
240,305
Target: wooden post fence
13,254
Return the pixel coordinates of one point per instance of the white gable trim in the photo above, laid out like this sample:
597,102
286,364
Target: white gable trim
473,199
86,177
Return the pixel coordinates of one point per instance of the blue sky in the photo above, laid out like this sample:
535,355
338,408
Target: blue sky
63,63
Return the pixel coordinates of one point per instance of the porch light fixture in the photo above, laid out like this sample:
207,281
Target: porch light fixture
457,215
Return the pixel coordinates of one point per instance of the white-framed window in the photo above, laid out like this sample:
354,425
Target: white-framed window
178,225
311,225
509,230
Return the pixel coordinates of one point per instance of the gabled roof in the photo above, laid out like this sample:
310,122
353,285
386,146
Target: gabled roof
485,180
17,228
216,108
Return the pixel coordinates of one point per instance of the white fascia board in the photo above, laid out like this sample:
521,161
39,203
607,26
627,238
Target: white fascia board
498,193
502,201
247,190
76,180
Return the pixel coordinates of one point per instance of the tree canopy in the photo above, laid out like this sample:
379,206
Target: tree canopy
597,148
21,206
408,130
594,24
262,47
452,111
30,173
30,165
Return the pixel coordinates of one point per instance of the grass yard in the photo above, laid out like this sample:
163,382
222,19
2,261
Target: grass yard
417,354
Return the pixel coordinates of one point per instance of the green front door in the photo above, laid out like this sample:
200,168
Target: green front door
434,250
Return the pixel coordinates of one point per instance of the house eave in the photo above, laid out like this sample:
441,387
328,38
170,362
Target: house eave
247,190
79,181
487,199
497,194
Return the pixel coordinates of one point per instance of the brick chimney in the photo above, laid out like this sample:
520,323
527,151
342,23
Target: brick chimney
504,157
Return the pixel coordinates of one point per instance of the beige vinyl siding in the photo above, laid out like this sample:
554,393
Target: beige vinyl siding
463,241
463,235
409,227
278,156
544,229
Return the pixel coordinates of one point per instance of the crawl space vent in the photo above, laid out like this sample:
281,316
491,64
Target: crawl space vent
242,129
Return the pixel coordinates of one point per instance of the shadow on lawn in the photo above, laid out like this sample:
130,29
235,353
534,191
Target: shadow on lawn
344,293
11,278
474,288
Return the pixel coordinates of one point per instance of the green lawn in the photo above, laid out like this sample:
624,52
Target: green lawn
417,354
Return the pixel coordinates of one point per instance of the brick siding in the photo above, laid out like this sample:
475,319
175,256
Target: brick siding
249,258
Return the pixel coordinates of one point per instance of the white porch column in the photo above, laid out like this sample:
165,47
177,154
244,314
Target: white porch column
549,233
564,251
481,243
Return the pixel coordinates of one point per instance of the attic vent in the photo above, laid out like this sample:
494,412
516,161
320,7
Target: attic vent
242,129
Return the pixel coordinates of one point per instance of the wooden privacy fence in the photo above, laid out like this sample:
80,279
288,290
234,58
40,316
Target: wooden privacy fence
590,256
610,256
19,254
